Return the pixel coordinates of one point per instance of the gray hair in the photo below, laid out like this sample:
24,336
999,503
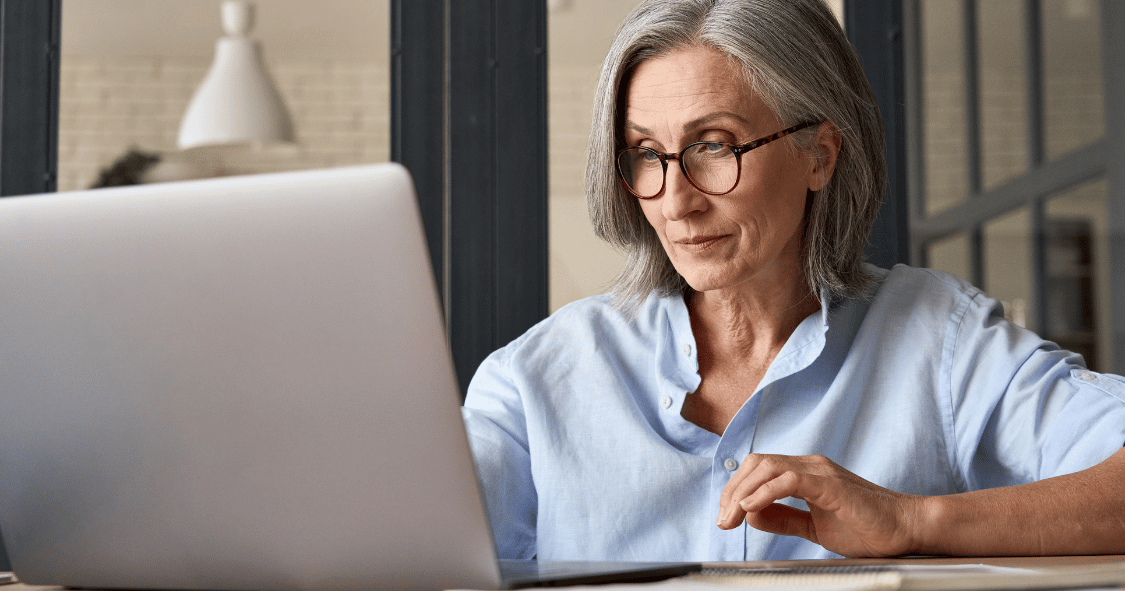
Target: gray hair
798,61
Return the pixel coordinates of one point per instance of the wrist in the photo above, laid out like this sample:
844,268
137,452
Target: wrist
931,525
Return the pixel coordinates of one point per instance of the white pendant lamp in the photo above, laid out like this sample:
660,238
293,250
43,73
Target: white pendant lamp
237,102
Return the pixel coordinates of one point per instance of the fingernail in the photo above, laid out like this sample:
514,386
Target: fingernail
745,505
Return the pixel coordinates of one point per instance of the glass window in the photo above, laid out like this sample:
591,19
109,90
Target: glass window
1077,274
130,67
1072,73
1007,265
1003,91
950,255
579,34
943,104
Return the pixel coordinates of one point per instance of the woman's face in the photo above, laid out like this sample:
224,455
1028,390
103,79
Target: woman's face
750,237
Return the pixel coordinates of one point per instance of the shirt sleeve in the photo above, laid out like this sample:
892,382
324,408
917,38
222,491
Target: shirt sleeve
495,422
1023,409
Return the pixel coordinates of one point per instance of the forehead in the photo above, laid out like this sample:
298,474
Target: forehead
687,84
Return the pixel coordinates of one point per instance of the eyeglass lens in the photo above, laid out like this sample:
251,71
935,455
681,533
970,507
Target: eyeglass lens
711,167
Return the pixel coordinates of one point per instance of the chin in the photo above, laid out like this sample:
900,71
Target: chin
705,282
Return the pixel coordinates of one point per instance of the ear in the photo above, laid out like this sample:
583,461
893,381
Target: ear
826,150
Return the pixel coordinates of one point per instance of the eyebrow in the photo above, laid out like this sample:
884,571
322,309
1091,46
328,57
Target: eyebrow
694,123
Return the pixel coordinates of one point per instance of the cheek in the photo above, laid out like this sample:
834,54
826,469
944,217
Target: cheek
779,192
651,209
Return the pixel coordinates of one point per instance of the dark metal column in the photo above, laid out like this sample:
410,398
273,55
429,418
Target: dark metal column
29,105
874,28
1036,141
973,152
497,144
418,112
489,234
29,95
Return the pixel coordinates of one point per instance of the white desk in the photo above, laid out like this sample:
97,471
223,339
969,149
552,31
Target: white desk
1050,563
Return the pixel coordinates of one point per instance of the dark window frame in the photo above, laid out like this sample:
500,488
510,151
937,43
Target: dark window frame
476,95
874,28
29,104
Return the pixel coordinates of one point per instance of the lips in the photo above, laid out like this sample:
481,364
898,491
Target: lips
700,242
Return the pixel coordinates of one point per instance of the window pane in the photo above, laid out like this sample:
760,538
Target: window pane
1003,91
950,255
579,34
1072,63
1078,273
1007,265
943,104
129,68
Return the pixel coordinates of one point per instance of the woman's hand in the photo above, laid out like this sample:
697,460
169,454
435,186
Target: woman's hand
847,514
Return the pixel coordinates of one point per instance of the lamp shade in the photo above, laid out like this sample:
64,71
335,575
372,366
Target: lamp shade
237,101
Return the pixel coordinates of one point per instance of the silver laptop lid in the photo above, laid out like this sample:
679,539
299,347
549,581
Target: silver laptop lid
237,383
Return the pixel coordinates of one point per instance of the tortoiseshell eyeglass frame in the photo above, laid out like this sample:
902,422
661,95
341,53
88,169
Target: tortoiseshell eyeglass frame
738,151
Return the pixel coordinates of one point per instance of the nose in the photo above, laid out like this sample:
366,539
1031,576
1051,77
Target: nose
681,198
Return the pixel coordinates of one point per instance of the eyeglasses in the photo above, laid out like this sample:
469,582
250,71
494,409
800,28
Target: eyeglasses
711,167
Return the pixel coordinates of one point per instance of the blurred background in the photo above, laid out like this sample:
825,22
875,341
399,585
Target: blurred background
1005,113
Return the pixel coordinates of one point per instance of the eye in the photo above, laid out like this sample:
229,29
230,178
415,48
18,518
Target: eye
710,149
649,156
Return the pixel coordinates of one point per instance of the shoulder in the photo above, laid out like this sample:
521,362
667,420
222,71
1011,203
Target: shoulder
582,340
905,282
928,296
592,320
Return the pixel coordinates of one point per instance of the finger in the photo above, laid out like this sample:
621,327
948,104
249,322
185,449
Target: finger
790,483
781,519
745,480
749,464
730,517
761,470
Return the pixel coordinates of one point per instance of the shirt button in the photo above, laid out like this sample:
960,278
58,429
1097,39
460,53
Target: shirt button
1088,376
687,350
666,401
730,464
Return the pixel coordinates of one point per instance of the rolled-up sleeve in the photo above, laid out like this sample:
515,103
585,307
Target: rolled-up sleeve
1023,409
495,422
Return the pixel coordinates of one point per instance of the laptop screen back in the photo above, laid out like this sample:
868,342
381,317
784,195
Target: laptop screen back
237,383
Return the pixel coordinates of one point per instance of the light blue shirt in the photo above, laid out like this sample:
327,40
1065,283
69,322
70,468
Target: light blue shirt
923,388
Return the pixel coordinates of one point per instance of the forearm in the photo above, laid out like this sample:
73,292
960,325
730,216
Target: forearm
1080,513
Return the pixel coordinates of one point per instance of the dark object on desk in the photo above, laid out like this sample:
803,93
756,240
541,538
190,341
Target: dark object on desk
518,574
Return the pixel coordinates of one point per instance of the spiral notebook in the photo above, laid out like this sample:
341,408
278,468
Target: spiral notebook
915,577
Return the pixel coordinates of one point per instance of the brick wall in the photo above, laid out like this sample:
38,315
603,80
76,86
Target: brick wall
108,106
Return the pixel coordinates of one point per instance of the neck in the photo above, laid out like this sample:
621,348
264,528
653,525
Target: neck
741,324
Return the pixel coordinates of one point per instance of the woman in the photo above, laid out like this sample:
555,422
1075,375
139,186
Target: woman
751,390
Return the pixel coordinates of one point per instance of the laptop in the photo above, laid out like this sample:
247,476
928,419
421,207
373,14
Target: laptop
238,383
